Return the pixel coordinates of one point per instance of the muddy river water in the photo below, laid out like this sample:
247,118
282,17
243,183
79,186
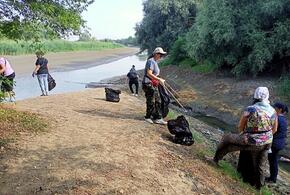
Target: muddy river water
76,80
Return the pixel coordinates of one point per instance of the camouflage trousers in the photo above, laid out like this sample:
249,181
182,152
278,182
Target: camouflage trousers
153,102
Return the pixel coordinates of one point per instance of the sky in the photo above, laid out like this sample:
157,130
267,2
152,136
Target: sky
113,19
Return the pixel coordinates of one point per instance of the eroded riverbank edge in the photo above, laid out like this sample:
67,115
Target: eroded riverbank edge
221,97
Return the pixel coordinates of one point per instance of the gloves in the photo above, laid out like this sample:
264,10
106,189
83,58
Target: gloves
33,74
162,81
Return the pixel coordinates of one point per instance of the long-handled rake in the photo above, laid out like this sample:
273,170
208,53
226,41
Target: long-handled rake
169,89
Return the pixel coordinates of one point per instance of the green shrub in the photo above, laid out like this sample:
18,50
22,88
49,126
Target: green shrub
284,87
204,68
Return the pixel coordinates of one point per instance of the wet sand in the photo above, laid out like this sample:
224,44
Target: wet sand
65,61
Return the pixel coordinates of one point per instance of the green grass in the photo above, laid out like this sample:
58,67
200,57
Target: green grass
13,122
190,63
171,115
204,68
228,169
284,87
10,47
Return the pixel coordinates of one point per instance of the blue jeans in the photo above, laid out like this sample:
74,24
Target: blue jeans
42,80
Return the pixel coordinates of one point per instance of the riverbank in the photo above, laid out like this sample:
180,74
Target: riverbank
99,147
213,96
217,96
66,61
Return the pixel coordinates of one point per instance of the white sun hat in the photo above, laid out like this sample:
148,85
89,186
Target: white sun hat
159,50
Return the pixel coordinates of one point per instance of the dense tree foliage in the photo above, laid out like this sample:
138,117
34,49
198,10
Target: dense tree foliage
23,19
243,36
163,22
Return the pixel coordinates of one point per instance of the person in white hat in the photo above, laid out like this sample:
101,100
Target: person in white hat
150,84
257,126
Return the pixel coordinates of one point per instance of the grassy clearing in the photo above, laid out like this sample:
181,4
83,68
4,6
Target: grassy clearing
10,47
14,122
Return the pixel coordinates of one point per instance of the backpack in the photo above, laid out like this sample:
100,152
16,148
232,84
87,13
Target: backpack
112,95
132,75
180,128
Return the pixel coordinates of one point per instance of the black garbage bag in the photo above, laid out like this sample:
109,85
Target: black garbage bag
51,82
165,100
112,95
179,127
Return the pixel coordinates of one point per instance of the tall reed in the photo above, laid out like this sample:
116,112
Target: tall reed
9,47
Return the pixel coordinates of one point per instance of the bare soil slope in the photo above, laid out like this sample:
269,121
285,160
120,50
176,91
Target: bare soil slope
98,147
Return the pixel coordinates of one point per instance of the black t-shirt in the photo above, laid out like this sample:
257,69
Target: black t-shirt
43,65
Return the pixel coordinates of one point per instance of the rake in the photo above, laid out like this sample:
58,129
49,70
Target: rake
168,88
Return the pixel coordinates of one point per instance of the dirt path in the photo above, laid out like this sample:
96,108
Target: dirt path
98,147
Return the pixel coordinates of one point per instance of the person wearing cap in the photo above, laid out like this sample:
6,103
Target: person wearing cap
133,80
41,71
279,141
150,83
257,125
7,71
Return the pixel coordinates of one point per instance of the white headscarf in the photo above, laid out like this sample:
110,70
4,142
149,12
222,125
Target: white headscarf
262,93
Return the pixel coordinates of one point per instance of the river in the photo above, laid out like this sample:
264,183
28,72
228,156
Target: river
76,80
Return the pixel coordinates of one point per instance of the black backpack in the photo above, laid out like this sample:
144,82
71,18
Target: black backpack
132,75
112,95
180,128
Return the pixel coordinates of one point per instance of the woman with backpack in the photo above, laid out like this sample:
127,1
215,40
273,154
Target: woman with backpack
133,80
257,125
150,83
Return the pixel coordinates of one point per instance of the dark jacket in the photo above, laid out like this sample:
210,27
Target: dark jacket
42,62
279,138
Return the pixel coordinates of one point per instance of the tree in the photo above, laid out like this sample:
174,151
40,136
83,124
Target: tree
163,22
242,36
48,18
85,35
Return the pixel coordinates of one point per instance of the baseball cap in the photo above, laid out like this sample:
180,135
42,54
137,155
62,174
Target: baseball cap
159,50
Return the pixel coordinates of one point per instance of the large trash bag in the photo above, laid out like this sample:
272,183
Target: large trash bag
165,100
51,82
179,127
112,95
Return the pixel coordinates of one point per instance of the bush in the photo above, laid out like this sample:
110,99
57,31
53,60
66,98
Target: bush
247,37
284,87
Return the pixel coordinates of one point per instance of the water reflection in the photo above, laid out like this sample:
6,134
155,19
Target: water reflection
68,81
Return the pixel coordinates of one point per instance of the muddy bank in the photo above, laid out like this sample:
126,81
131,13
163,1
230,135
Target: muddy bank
187,93
100,147
217,96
